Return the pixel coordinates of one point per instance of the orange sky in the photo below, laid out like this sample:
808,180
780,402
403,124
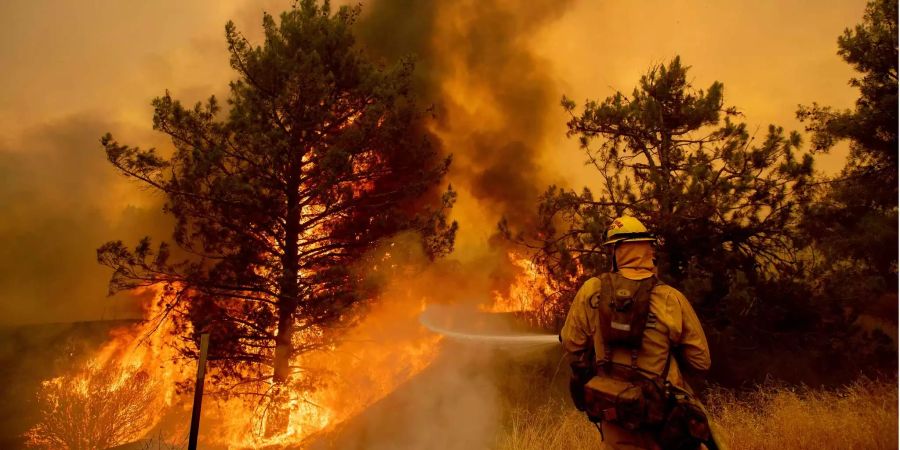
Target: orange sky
74,70
771,55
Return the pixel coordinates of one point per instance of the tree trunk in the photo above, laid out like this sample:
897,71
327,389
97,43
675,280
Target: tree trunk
288,301
283,347
278,416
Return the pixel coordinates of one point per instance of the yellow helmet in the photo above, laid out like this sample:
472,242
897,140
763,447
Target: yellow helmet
627,229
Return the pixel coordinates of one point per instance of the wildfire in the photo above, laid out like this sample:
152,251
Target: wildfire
369,365
532,296
388,347
528,290
130,385
117,395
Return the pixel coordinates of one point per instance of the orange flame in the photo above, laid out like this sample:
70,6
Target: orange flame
383,351
527,292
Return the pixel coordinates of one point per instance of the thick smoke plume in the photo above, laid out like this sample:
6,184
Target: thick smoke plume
492,99
493,96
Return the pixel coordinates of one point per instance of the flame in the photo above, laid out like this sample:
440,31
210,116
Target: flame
375,357
365,368
115,396
369,365
533,295
527,292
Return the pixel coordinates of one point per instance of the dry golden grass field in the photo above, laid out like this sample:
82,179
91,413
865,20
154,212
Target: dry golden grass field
862,415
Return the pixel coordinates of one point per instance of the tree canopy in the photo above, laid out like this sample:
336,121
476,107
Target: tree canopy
871,49
855,215
776,257
319,155
851,220
722,201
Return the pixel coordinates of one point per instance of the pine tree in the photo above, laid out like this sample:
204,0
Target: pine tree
319,155
723,203
856,212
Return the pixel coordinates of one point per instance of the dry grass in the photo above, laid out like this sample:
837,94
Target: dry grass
553,426
862,415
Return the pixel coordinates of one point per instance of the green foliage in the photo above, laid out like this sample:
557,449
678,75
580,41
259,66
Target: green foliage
723,203
319,155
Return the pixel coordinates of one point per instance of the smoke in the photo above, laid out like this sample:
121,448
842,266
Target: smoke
454,404
397,384
495,104
98,70
60,201
493,96
489,53
490,95
488,69
493,99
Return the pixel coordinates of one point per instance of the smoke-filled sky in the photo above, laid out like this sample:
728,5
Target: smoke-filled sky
74,70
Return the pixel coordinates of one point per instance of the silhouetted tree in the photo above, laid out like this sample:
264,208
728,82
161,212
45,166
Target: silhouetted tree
723,204
852,221
871,127
856,212
320,154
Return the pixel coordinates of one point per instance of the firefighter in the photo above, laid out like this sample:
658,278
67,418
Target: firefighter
670,334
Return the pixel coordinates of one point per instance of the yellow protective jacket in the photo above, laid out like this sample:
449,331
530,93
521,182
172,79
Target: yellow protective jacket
676,326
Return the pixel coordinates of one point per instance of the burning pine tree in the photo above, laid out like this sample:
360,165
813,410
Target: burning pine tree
320,155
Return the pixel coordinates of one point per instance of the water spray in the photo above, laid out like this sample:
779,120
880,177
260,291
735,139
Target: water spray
439,319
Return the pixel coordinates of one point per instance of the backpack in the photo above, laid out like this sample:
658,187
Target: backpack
626,395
